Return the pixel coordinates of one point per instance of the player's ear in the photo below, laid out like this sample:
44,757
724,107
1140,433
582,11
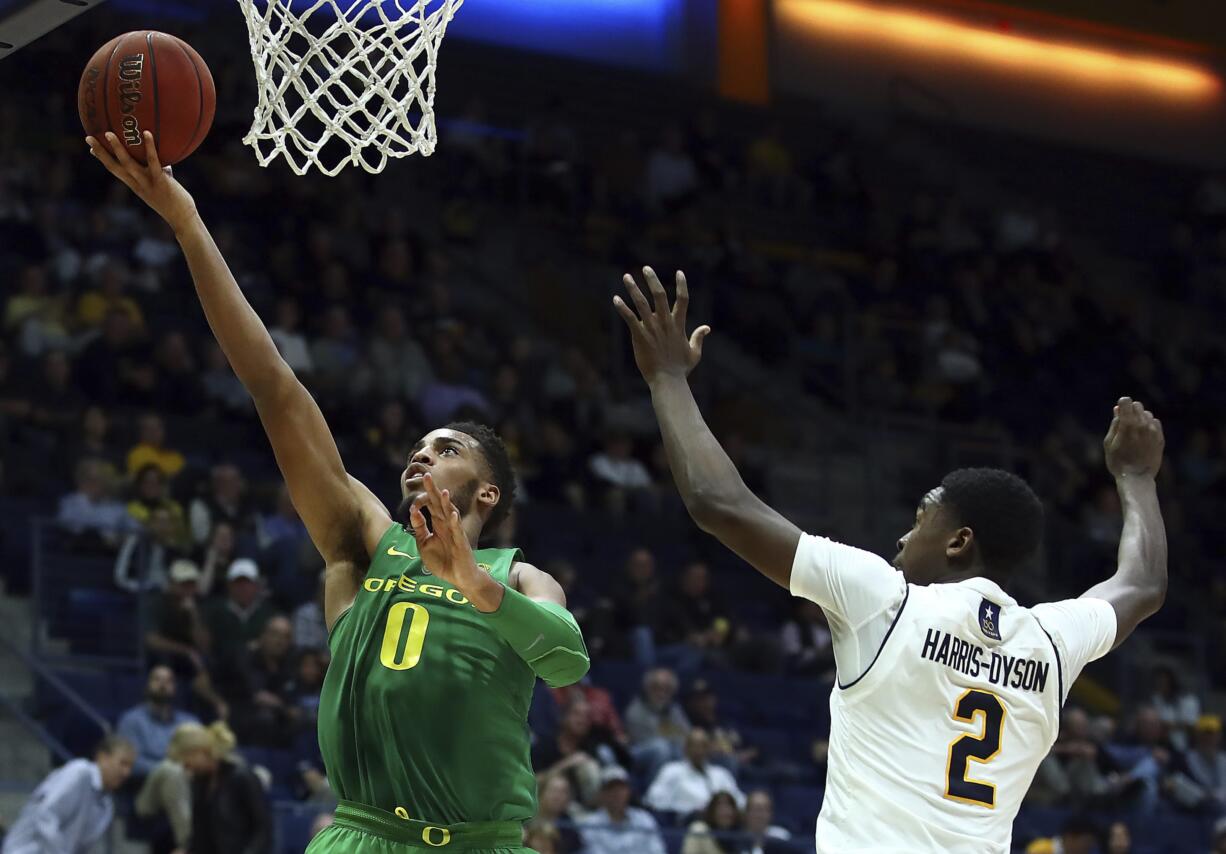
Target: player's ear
488,496
958,546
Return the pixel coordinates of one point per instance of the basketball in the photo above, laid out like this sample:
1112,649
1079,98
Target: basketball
148,80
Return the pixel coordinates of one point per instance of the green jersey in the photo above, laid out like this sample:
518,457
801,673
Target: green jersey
424,711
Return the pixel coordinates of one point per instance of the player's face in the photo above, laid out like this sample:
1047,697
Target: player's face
922,553
454,460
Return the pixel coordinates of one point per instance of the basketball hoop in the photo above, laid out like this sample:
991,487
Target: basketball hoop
344,82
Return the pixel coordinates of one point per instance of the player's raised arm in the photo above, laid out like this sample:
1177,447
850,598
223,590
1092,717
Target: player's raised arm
1133,450
714,493
340,517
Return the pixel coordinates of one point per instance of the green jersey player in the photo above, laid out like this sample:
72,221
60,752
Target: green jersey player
435,644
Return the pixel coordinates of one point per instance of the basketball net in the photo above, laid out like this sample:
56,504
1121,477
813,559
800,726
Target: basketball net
344,82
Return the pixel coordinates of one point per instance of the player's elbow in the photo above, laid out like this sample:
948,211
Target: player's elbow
711,511
563,670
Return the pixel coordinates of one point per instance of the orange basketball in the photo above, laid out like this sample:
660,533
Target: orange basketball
148,81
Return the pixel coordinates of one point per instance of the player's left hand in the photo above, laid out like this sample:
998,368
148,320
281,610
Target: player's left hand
443,544
661,347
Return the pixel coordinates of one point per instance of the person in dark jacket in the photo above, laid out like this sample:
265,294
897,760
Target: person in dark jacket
230,813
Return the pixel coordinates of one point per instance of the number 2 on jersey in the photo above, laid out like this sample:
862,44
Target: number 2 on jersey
981,748
391,655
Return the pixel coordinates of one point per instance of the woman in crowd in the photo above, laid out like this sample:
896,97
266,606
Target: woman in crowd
710,834
230,813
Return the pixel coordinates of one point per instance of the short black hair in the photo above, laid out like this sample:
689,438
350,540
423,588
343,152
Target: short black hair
1002,510
112,742
499,463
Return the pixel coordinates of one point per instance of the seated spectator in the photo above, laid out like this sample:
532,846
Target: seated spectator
541,837
616,827
655,723
695,625
230,812
636,607
807,645
716,831
625,480
291,343
145,558
310,630
220,553
36,316
578,751
93,441
1204,769
91,514
308,682
671,174
116,367
398,364
151,450
150,492
167,793
259,686
179,390
177,636
108,294
1179,709
1078,835
223,391
1077,772
600,705
71,810
336,353
555,804
727,747
239,619
150,725
687,785
1119,839
226,501
1145,760
447,395
55,401
283,528
764,837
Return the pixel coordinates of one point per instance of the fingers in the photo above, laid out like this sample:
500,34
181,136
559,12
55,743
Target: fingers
627,314
119,150
152,161
640,301
697,338
103,155
657,291
681,306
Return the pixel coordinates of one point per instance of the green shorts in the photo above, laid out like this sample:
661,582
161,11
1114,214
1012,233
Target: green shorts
359,829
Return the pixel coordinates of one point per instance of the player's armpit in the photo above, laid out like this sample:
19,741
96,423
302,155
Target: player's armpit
760,535
536,584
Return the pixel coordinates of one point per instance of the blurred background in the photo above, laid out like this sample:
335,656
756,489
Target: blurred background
927,234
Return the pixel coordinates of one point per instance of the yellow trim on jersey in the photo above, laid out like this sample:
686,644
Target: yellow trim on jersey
983,737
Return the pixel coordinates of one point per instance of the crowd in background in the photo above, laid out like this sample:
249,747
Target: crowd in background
400,304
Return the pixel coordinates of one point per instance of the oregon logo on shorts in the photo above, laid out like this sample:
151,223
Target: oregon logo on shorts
429,835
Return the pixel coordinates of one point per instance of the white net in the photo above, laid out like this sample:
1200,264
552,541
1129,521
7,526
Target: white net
344,82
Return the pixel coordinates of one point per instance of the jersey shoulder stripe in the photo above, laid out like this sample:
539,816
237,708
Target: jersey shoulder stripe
901,607
1056,652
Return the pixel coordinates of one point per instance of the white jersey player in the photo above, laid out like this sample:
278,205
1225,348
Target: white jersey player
949,691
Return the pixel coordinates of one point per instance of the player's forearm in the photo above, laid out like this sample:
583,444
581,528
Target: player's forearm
544,634
1142,554
705,476
238,329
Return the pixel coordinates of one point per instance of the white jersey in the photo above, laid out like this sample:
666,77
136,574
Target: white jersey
949,697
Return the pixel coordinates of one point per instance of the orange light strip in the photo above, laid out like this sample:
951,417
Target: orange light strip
933,34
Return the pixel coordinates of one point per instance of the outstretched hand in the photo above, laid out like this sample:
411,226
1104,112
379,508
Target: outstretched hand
661,347
1134,442
443,543
153,182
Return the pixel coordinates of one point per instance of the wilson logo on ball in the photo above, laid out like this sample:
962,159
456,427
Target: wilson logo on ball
131,69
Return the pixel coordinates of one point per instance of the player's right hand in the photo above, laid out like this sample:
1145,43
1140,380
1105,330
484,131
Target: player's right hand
1134,442
154,183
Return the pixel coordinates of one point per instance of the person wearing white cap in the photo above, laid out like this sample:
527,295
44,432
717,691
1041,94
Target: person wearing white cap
178,636
617,827
241,616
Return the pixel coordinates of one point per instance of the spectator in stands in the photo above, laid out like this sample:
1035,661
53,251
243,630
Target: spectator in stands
556,479
94,518
93,441
222,389
600,705
108,294
1178,708
150,725
259,685
624,480
179,389
1077,771
655,723
226,501
115,367
448,394
805,640
578,751
145,558
290,341
398,365
230,812
219,553
72,809
1078,835
702,710
555,804
35,315
671,174
1205,767
151,449
336,353
694,624
764,837
150,493
1119,839
715,832
55,401
167,794
1146,759
322,822
283,528
304,691
686,785
310,631
177,635
541,837
239,619
616,827
636,606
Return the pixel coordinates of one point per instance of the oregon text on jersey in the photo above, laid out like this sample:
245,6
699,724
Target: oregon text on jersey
973,660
